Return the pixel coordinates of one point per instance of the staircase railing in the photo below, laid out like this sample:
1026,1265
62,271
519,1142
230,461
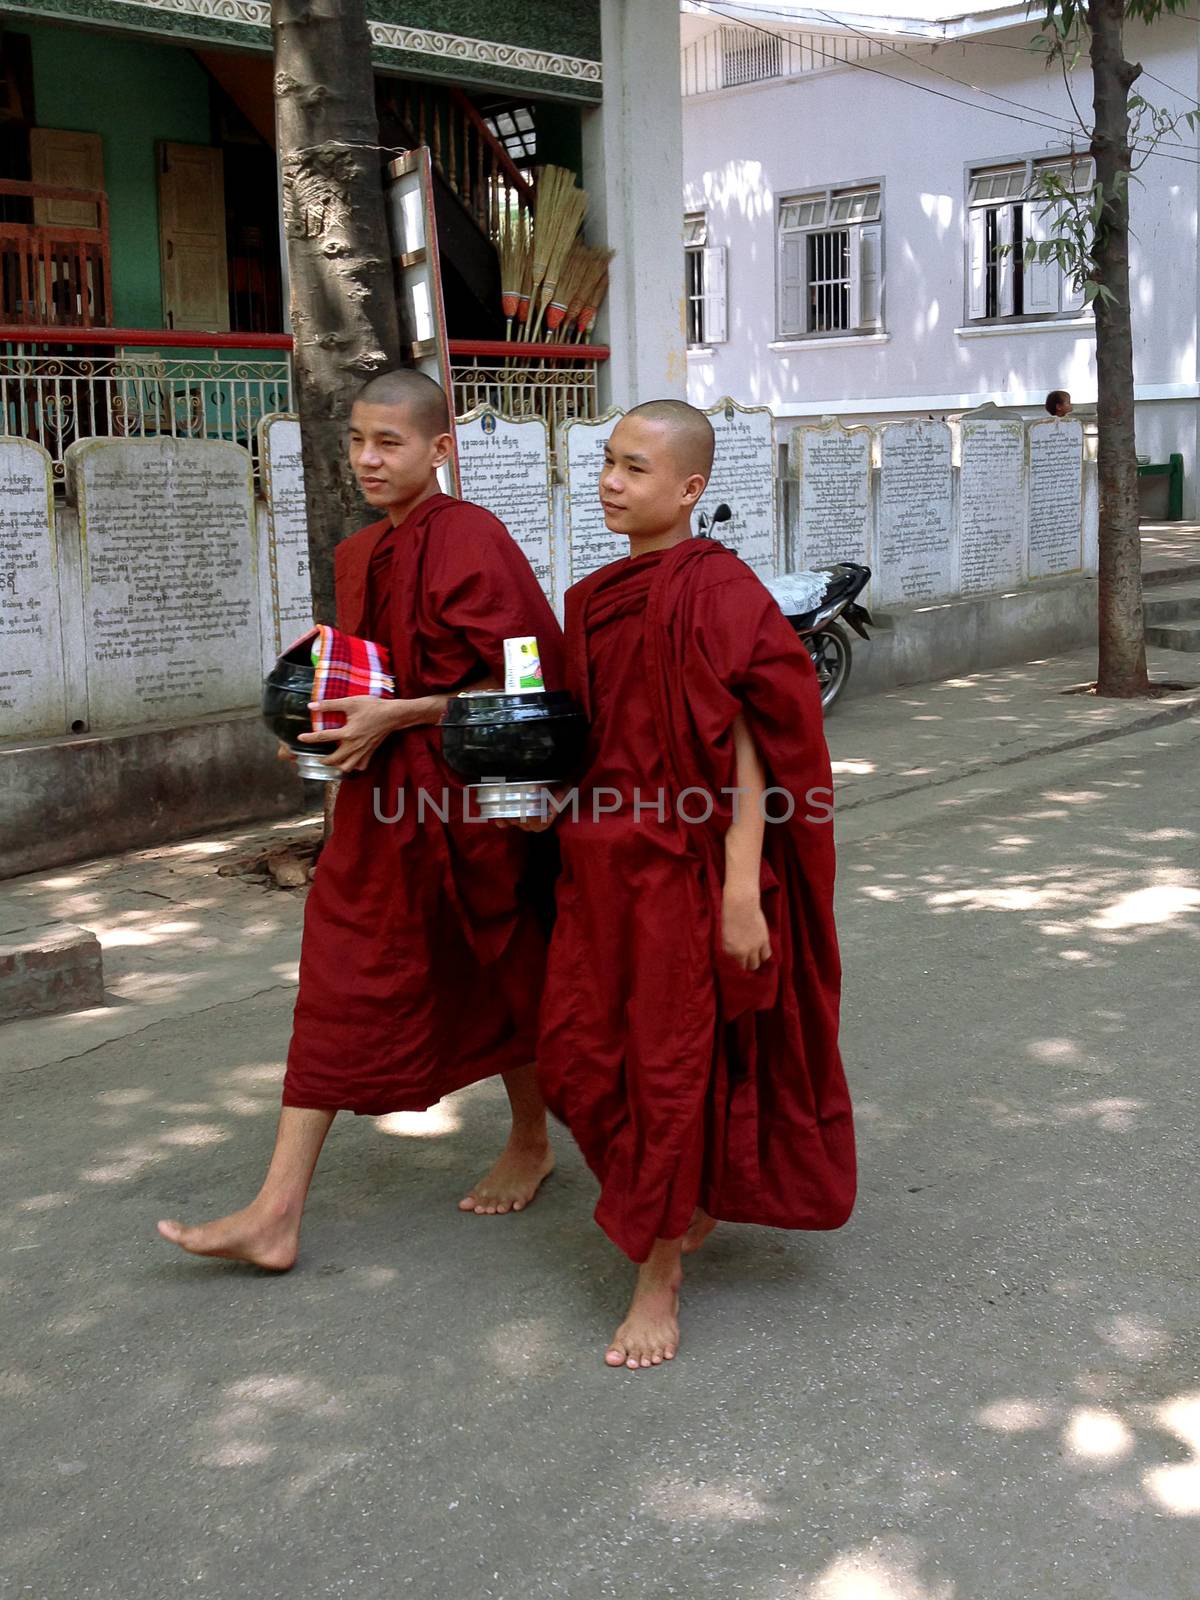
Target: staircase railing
465,151
55,272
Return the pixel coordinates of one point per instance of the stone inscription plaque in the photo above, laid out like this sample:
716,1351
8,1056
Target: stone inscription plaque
915,543
504,464
835,494
1055,497
32,678
288,586
743,477
170,587
589,543
991,506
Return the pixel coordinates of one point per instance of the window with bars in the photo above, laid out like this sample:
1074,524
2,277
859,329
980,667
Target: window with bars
830,262
1005,213
704,284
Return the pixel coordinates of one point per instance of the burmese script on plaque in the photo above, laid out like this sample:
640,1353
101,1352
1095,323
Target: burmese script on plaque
170,590
287,528
835,495
1055,497
991,506
743,478
504,465
32,678
915,543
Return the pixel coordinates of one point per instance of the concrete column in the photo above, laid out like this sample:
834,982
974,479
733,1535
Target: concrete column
633,172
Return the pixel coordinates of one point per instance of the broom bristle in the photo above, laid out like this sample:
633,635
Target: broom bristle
514,247
572,287
559,210
596,291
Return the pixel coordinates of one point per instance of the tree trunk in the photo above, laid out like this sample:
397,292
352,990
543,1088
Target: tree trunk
1122,667
343,298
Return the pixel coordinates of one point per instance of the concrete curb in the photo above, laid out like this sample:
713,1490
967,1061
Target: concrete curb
1175,711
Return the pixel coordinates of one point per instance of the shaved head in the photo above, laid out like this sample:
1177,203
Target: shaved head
691,433
423,399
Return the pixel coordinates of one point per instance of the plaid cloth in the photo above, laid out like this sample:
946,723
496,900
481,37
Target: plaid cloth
345,666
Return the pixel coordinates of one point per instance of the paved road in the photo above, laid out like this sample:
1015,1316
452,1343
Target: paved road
987,1387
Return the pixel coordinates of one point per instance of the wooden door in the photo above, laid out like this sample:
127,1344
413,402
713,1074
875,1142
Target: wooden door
191,230
67,161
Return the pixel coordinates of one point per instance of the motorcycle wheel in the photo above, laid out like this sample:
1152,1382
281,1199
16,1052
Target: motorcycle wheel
830,651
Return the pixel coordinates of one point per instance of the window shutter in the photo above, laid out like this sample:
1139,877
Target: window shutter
1005,266
716,316
865,249
191,226
791,285
1042,278
977,262
1072,298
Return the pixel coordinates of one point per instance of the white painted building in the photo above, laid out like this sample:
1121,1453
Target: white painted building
849,181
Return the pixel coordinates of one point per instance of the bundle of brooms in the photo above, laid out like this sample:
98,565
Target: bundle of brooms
551,283
581,291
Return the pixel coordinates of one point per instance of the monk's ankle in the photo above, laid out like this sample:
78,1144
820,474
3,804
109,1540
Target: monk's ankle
530,1140
279,1210
658,1277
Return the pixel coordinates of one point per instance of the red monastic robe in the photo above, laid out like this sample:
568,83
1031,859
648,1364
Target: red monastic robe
686,1080
423,956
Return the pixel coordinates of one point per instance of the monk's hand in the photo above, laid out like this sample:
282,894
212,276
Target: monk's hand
538,820
369,720
285,752
745,937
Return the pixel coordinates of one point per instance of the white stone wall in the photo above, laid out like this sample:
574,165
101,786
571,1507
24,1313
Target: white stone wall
156,594
744,148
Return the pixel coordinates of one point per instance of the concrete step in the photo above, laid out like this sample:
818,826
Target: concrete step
1175,636
1157,574
48,967
1180,604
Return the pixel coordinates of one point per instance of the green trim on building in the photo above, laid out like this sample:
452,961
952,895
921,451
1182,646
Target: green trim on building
88,83
537,47
142,20
568,27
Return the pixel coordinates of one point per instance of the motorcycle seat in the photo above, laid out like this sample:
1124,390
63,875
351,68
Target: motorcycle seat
842,580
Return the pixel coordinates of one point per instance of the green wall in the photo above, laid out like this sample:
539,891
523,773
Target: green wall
132,94
559,136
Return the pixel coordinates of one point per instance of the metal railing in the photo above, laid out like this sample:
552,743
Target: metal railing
57,387
554,381
728,57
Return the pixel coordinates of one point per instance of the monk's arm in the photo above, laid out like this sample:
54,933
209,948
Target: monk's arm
369,721
427,708
743,926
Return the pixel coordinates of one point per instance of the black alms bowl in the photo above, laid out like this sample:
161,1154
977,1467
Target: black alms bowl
286,693
533,737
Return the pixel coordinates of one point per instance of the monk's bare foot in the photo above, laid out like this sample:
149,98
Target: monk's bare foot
513,1181
698,1231
258,1235
650,1333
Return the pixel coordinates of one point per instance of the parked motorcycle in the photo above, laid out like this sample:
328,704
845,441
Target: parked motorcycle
827,643
824,638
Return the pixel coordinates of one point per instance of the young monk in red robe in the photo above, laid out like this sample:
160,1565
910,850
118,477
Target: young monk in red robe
423,957
689,1027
